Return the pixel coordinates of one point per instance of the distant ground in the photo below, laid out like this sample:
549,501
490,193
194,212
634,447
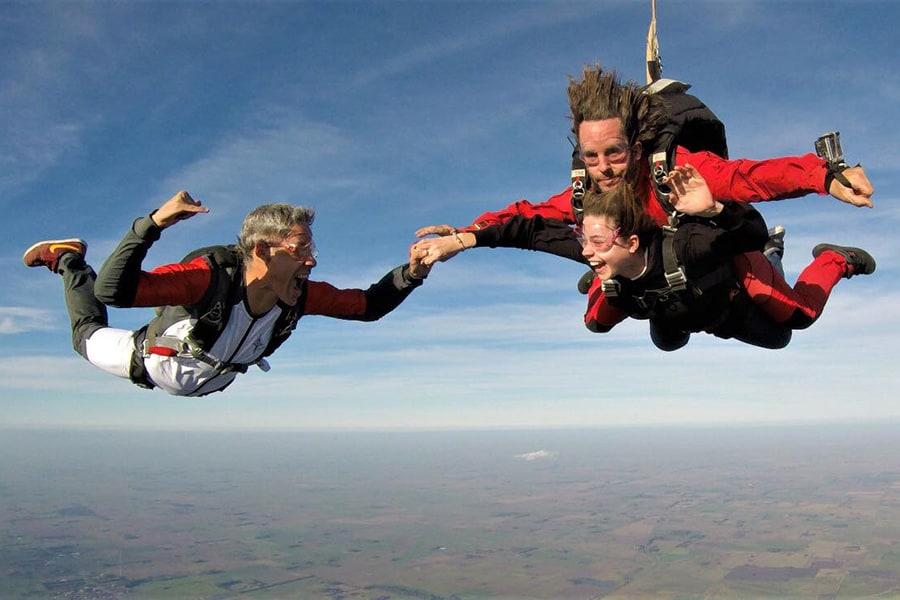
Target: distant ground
734,513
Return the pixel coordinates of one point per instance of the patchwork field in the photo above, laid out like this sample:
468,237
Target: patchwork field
802,512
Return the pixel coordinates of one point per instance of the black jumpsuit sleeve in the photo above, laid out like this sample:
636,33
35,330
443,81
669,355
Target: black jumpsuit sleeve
532,233
385,295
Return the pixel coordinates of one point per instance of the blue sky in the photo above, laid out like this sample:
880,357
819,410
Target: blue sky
387,116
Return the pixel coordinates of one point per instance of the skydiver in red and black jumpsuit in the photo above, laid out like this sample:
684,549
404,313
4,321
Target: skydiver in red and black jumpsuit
611,140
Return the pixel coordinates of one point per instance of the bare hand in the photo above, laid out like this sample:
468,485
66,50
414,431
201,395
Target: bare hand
179,207
690,194
442,248
435,230
417,268
859,194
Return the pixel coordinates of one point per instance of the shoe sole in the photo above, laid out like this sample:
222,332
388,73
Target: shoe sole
53,243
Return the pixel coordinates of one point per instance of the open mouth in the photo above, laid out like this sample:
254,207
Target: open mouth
598,267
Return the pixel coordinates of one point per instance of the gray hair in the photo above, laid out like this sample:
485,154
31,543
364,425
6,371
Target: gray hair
270,224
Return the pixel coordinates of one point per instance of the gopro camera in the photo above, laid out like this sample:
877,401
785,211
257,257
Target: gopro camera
828,147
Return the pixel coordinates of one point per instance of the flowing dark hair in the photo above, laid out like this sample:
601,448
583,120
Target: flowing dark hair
599,95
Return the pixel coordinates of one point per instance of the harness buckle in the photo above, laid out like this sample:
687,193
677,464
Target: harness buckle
677,280
659,166
610,288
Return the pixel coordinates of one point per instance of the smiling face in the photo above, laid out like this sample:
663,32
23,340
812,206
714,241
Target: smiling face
608,252
606,152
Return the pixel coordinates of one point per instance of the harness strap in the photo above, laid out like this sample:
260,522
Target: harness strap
836,171
675,275
166,345
659,168
580,183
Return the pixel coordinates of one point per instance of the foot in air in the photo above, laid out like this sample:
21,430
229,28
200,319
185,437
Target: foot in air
859,262
48,253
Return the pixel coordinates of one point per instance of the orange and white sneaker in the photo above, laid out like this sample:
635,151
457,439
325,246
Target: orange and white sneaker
48,253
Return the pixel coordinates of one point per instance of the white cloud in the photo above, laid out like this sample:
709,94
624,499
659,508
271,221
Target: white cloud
536,455
14,319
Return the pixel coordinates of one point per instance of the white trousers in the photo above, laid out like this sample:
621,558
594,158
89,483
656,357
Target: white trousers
111,350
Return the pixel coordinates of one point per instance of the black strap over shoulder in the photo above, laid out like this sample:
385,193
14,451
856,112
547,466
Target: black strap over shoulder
691,124
580,183
212,310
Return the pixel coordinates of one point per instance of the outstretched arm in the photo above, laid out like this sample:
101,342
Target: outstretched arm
451,240
371,304
526,233
121,274
744,180
558,207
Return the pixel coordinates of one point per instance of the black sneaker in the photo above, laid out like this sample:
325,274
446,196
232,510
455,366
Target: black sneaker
859,262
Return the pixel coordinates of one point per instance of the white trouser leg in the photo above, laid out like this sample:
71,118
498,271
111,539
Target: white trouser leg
111,349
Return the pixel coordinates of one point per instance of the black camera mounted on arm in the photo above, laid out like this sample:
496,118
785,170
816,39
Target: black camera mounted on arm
828,147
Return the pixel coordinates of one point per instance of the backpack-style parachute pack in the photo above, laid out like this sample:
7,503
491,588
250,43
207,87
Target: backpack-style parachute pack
692,125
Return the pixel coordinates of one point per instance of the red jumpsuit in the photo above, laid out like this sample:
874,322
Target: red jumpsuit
740,181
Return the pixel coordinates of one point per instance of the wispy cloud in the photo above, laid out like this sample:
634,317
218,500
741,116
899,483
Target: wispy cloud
520,19
279,158
38,130
536,455
15,319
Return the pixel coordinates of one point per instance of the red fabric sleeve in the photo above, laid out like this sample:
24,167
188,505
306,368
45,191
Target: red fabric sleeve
325,299
557,207
745,180
178,284
739,180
